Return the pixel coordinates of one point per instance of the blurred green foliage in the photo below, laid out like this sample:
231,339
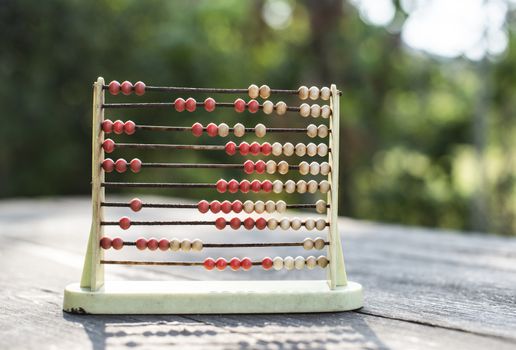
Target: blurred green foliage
407,152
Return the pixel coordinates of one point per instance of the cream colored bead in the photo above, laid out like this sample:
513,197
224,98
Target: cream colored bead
304,168
301,186
281,108
272,223
288,149
308,244
325,168
268,107
288,262
322,149
320,224
324,186
314,168
312,186
277,186
290,186
322,261
223,130
311,262
296,223
299,262
322,131
302,92
186,245
282,167
253,91
260,130
319,243
320,206
281,206
277,149
300,149
284,223
270,206
248,206
309,224
270,167
239,130
197,245
175,244
304,110
325,93
311,131
277,263
325,111
315,111
259,207
265,91
313,93
311,149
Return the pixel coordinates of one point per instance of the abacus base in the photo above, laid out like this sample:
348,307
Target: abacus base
212,297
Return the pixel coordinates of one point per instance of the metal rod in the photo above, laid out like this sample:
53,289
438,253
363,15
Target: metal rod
170,146
188,128
171,105
173,223
156,185
190,206
160,263
242,245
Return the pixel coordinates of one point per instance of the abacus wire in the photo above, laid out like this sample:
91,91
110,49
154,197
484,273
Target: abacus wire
244,245
189,128
191,206
171,146
173,223
171,105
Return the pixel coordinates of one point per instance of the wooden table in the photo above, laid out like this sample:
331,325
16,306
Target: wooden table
423,289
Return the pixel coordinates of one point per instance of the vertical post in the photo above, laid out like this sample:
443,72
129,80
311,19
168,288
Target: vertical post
337,271
93,271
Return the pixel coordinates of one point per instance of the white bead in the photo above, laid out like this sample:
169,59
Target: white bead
260,130
311,149
304,168
322,131
277,149
320,206
311,262
308,244
325,168
253,91
239,130
309,224
315,111
290,186
288,149
304,110
296,223
175,244
186,245
277,186
288,262
268,107
197,245
223,130
270,206
314,168
248,206
319,243
322,261
324,186
301,186
277,263
270,167
265,91
322,149
300,149
281,108
302,92
299,262
272,223
281,206
259,207
325,111
285,223
311,131
313,93
312,186
320,224
325,93
282,167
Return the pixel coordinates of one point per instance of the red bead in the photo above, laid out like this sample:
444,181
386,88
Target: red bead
222,186
225,207
107,126
135,204
117,243
253,106
203,206
235,223
267,263
243,148
245,186
152,244
179,104
249,223
266,148
129,127
105,242
209,104
118,127
248,166
108,165
197,129
108,145
266,186
239,105
141,243
139,88
190,104
233,186
163,244
259,167
114,87
221,263
215,206
256,186
261,223
255,148
230,148
209,264
135,165
126,87
124,222
212,129
121,165
234,263
236,206
246,263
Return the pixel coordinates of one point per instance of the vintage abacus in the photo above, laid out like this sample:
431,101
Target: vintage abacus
332,293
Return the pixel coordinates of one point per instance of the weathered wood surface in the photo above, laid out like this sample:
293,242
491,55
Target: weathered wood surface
423,290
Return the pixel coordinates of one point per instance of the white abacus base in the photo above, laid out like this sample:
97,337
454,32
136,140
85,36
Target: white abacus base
212,297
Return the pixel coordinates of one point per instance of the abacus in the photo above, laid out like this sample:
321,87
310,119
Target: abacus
331,293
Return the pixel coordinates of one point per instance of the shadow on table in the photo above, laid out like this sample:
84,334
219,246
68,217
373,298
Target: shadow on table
286,331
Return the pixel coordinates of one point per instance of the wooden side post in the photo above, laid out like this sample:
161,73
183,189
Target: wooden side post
93,271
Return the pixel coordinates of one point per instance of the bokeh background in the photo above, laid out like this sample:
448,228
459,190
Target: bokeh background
428,111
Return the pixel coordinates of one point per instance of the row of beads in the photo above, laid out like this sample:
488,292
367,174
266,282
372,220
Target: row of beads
272,223
282,167
121,165
190,104
303,92
118,127
260,130
126,87
277,149
302,186
267,263
248,206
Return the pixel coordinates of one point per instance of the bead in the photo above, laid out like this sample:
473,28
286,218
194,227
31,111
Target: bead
108,165
311,262
284,223
186,245
272,223
312,186
259,207
277,263
152,244
234,263
212,129
235,223
315,111
288,262
322,261
121,165
315,168
288,149
190,104
256,186
311,130
179,104
135,165
313,93
265,91
325,168
270,167
124,223
175,244
197,129
203,206
105,242
209,264
244,148
221,264
277,186
245,186
324,186
230,147
281,108
267,263
311,149
236,206
141,243
302,92
282,167
248,206
322,131
266,148
249,223
215,206
325,93
299,262
126,87
253,91
309,224
325,111
239,130
239,105
268,107
277,149
304,110
223,130
248,166
281,206
246,263
320,206
209,104
117,243
114,87
261,223
139,88
118,127
270,206
108,145
266,186
254,148
290,186
225,207
222,186
220,223
233,186
135,204
163,244
253,106
260,130
320,224
319,243
308,244
107,126
322,149
300,149
295,223
301,186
